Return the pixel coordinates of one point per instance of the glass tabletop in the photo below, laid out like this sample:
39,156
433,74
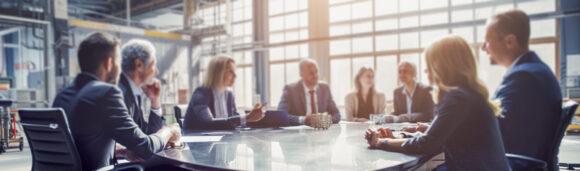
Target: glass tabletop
341,147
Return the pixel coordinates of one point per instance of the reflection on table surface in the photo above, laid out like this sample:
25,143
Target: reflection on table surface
341,147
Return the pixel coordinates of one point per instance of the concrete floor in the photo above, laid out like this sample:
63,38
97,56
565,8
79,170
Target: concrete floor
14,159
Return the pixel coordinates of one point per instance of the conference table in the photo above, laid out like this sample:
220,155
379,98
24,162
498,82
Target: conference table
340,147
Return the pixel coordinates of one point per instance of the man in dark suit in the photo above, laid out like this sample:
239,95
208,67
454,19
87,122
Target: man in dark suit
308,96
96,112
139,72
413,100
531,101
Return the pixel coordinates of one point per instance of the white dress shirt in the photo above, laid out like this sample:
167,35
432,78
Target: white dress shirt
409,97
516,61
220,104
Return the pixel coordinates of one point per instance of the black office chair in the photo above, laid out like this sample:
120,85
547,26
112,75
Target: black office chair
568,110
50,139
525,163
179,111
519,162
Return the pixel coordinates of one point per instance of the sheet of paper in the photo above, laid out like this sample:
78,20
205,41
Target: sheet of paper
349,122
301,127
187,139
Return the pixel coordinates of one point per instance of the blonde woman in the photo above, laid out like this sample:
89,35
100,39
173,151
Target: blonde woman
212,105
465,127
365,100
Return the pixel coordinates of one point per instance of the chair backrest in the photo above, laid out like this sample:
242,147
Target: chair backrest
179,111
51,143
568,110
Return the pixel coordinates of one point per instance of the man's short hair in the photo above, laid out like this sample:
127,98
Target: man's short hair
412,65
95,49
514,22
305,62
136,49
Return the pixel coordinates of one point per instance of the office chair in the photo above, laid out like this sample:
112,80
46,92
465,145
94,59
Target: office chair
50,139
568,110
179,111
525,163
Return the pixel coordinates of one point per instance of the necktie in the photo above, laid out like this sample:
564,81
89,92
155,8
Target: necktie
139,101
312,102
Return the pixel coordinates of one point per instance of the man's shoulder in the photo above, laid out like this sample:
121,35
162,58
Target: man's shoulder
398,92
123,85
99,90
294,84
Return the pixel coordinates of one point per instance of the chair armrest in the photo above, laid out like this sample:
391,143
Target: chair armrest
520,162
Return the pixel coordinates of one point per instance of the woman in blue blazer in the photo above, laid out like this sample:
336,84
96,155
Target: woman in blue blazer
465,127
212,105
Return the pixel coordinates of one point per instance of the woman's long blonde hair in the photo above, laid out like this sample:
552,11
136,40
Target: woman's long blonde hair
215,71
452,64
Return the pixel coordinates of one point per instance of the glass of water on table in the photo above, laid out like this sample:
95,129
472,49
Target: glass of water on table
377,120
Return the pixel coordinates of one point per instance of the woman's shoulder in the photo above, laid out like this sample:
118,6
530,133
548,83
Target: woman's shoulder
379,94
459,94
351,95
202,91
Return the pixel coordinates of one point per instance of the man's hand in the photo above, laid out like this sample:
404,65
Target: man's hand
257,113
175,138
120,151
153,91
307,119
385,133
420,127
372,138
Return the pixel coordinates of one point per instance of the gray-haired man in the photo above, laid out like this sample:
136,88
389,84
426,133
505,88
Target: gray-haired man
138,80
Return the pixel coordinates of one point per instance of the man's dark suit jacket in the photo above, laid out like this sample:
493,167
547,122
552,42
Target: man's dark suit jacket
293,101
156,121
531,103
98,118
422,107
200,113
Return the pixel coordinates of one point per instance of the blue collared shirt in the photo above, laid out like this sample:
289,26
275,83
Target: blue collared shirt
409,97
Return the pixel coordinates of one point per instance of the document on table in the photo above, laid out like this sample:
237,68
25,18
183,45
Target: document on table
301,127
187,139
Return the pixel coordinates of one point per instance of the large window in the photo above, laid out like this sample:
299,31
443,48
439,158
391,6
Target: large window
288,21
401,29
240,33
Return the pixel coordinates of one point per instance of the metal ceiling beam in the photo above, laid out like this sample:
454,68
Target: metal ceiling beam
148,7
